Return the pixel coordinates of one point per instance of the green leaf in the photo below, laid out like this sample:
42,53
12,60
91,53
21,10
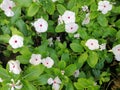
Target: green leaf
4,38
61,9
62,64
65,57
118,35
33,72
83,34
83,57
33,9
92,59
116,9
28,86
4,74
117,23
69,70
42,80
23,3
71,4
60,28
76,47
22,27
17,12
49,6
69,86
102,20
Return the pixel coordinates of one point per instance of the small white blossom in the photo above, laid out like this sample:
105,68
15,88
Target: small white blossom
16,41
77,35
50,81
48,62
58,38
71,27
60,20
50,41
104,6
55,83
92,44
14,66
85,8
40,25
1,80
54,0
14,85
76,74
35,59
7,6
86,19
68,17
116,49
62,72
102,46
117,57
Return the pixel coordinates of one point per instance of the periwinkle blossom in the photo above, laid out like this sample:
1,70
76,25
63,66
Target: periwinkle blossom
60,20
92,44
40,25
54,0
35,59
50,41
16,41
85,8
48,62
104,6
86,19
7,6
14,66
68,17
1,80
102,46
15,85
55,83
71,27
116,52
77,35
76,73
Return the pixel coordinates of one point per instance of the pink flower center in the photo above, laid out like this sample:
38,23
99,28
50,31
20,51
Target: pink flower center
71,28
13,66
68,17
10,7
104,6
41,25
47,63
15,41
119,49
36,59
54,82
13,85
91,43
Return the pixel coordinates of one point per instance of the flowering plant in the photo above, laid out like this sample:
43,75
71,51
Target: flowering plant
58,44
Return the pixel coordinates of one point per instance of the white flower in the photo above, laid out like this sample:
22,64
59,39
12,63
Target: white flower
35,59
48,62
50,41
16,41
62,72
54,0
77,35
92,44
58,38
40,25
55,83
16,85
1,80
71,27
7,6
104,6
14,66
60,20
116,49
68,17
117,57
76,74
102,46
85,8
86,19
